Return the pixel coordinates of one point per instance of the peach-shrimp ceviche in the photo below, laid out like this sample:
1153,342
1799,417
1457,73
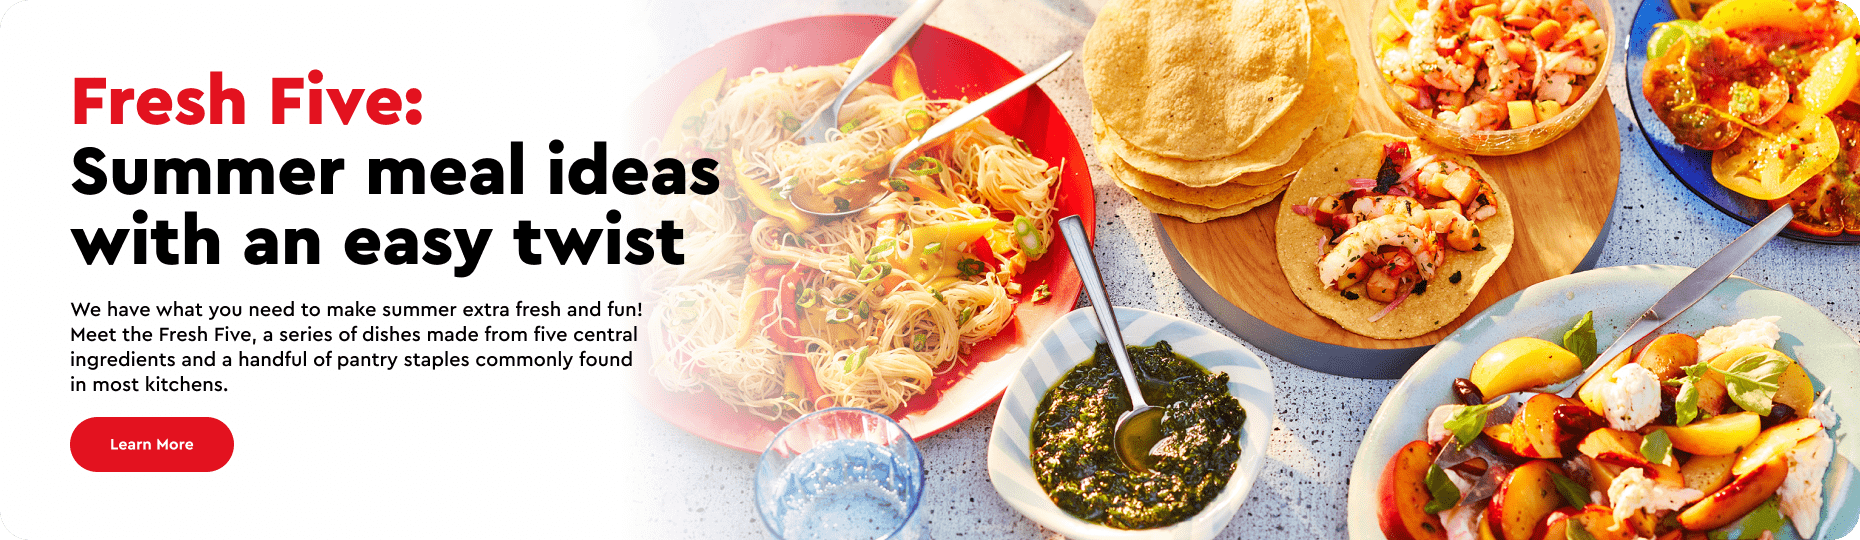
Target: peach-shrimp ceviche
1715,436
1490,64
1389,232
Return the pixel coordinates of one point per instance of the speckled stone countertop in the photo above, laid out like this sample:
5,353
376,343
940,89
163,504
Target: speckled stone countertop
699,489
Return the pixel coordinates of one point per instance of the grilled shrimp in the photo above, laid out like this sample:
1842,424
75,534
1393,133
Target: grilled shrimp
1399,230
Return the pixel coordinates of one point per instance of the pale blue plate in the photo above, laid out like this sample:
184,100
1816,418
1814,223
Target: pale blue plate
1617,295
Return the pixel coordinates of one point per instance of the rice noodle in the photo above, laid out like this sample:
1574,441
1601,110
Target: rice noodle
871,338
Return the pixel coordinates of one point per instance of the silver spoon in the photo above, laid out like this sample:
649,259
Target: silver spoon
949,124
876,55
1139,429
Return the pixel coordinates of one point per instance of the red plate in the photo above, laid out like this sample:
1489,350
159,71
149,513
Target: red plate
950,67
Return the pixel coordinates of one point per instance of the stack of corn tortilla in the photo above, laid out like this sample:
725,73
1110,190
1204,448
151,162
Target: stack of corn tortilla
1205,109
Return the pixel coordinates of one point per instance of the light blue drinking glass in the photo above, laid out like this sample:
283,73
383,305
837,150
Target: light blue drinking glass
841,473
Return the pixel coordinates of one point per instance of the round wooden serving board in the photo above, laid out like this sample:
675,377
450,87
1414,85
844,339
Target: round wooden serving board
1561,194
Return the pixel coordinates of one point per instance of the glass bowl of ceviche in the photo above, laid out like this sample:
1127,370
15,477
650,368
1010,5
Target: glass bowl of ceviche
1492,77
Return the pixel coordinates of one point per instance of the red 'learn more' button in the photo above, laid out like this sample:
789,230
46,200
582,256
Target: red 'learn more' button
151,444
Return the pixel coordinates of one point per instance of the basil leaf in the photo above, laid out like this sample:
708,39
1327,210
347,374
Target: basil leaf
1573,493
1752,380
1470,420
1445,493
1580,339
1575,530
1655,446
1766,517
1686,404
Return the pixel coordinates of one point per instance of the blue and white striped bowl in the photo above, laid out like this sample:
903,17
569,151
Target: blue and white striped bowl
1069,341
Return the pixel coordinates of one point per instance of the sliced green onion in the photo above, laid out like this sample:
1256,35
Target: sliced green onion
846,298
926,166
874,272
854,262
849,126
876,162
919,342
967,313
693,122
1028,238
882,249
898,185
856,359
840,204
865,310
805,299
839,315
933,248
917,119
790,122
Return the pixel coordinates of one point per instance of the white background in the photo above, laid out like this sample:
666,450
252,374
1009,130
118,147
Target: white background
319,453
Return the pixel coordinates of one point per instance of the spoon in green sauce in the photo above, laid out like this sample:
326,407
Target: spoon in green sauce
1139,429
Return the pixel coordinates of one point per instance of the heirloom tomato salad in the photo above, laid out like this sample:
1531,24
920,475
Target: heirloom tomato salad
1714,436
1767,86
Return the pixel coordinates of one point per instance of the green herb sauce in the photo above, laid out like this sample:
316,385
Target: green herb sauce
1076,461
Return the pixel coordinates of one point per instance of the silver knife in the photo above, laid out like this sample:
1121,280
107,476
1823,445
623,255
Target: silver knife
1690,290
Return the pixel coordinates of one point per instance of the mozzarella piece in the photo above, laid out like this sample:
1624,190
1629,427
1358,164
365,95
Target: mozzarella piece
1801,490
1745,332
1630,397
1437,423
1632,490
1461,522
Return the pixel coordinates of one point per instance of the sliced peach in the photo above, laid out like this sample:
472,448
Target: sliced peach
1712,396
1667,355
1739,497
1775,441
1534,430
1589,393
1524,500
1666,474
1609,445
1403,492
1556,525
1601,474
1716,436
1708,473
1485,528
1795,389
1600,522
1522,364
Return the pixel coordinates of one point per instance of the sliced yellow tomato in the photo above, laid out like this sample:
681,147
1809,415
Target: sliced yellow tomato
1832,80
688,118
1732,14
1766,167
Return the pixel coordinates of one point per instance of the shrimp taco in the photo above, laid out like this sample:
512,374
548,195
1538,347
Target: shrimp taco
1390,236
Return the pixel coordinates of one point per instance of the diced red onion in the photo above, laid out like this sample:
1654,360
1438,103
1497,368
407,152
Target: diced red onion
1362,183
1484,212
1414,167
1300,209
1391,307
